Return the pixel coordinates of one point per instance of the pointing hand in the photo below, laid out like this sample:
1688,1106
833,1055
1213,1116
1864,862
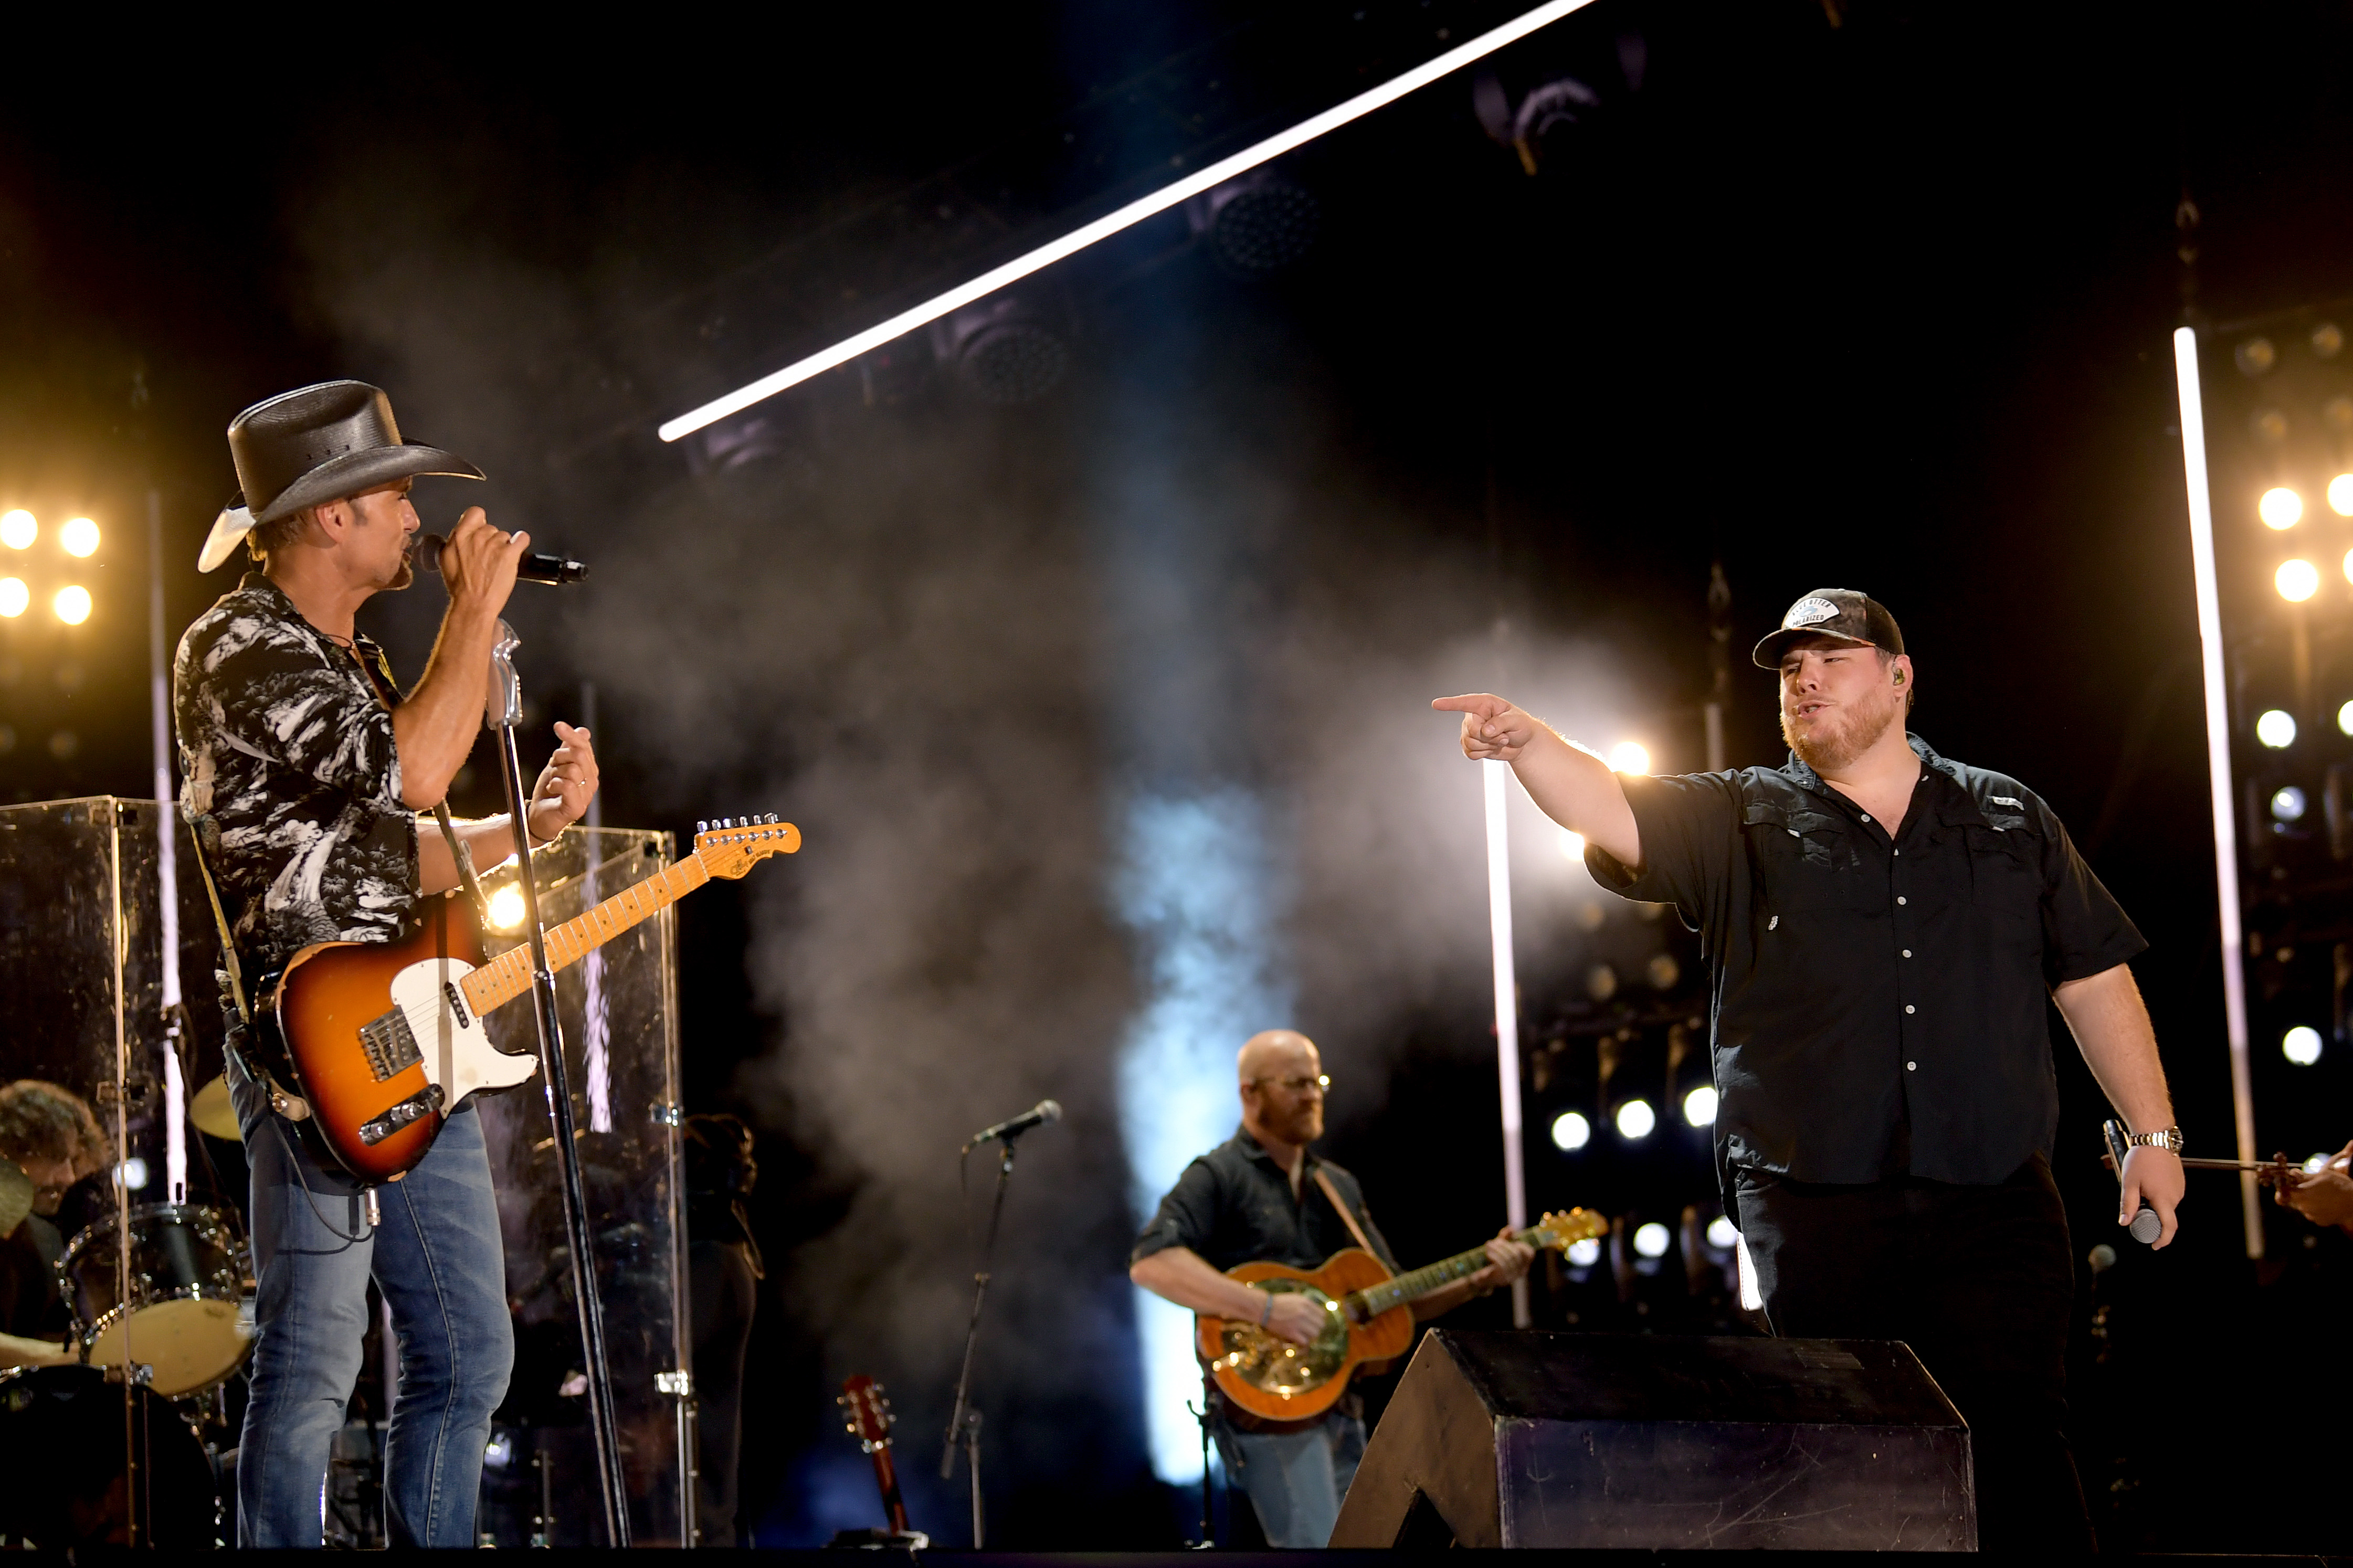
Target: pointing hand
1492,730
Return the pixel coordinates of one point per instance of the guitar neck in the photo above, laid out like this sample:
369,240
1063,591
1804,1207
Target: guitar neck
508,975
1375,1299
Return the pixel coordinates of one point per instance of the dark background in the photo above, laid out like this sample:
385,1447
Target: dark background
1875,295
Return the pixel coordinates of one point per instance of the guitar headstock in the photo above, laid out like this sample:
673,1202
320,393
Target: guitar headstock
733,844
869,1417
1559,1230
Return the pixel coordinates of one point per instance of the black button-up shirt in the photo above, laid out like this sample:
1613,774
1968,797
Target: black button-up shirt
1878,1006
1234,1206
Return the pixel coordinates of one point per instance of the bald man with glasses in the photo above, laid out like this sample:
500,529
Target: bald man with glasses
1262,1196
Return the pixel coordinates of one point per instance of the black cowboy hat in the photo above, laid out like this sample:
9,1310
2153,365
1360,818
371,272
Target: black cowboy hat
316,443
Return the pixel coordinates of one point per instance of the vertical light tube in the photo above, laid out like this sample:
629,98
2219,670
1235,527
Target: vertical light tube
167,868
596,1055
1497,777
2218,771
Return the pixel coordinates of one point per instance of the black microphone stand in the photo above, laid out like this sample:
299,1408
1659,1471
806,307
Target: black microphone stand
964,1425
501,714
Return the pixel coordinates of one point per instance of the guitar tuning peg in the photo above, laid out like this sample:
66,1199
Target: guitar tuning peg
701,827
772,817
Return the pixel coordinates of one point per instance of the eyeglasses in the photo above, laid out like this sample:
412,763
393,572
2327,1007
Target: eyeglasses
1298,1085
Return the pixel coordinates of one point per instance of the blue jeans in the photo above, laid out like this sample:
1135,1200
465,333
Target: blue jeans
1295,1479
440,1263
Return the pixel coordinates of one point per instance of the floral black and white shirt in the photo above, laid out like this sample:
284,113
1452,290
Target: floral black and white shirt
287,752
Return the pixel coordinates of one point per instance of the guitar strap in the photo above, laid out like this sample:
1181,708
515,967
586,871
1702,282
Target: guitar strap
379,679
1332,1193
293,1106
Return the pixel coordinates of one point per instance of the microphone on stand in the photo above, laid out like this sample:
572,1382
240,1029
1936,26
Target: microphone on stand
1045,1111
555,571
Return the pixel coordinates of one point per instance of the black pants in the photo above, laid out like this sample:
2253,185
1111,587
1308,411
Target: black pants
725,1294
1978,1281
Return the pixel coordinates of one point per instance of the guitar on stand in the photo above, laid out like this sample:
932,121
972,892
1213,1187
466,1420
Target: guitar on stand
868,1419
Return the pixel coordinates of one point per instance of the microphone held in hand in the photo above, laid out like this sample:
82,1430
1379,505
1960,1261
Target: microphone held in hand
555,571
2146,1227
1045,1111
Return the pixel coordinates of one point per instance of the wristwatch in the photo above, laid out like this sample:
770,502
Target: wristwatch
2165,1138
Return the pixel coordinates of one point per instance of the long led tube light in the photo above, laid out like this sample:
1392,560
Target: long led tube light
1495,780
2217,769
1134,213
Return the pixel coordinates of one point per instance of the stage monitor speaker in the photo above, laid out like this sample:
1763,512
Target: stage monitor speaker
1621,1440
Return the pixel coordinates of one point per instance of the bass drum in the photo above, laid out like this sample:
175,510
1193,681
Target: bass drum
186,1316
67,1487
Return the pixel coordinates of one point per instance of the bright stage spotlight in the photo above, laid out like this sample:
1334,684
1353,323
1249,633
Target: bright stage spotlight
72,606
1721,1233
1572,845
2288,804
2344,718
2280,508
2314,1164
1629,757
1652,1240
1570,1132
17,530
2340,495
79,536
2277,730
506,908
1583,1253
2348,566
1202,180
15,596
1635,1120
2296,580
2301,1045
1699,1106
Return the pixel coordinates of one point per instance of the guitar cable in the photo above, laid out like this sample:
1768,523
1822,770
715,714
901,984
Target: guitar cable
368,1230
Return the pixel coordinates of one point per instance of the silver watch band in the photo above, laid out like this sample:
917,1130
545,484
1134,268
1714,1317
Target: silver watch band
2165,1138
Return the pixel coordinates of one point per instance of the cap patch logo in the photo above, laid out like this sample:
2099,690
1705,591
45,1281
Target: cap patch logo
1810,613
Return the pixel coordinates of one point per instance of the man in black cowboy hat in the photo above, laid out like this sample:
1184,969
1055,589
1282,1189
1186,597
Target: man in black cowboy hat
1882,927
303,772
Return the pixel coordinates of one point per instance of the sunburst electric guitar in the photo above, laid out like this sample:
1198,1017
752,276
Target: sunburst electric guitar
384,1039
1368,1322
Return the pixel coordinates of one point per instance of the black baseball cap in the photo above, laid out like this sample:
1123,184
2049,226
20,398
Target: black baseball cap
1839,613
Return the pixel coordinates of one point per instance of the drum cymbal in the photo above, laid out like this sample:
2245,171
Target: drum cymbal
15,1195
211,1112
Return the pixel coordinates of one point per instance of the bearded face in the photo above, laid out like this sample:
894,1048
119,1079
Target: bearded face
1837,700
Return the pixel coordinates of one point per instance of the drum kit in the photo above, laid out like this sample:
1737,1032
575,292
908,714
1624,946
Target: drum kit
175,1325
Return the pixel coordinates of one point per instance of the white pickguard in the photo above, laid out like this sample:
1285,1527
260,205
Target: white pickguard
460,1060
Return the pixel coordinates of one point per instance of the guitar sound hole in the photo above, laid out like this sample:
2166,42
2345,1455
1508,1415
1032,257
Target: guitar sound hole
1277,1366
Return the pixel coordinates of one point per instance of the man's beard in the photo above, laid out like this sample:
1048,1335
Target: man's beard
1836,750
402,578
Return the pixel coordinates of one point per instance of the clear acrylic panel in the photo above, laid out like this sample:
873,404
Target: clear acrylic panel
617,1009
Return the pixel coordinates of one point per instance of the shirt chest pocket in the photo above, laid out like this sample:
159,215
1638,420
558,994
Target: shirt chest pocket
2005,869
1807,860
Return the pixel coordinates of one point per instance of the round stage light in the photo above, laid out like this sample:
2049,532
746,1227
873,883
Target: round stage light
2328,341
15,596
2340,495
506,908
2344,718
72,606
1629,757
17,530
2314,1165
79,536
2277,729
1572,846
2287,803
1722,1232
1635,1120
1570,1132
1583,1253
1699,1106
134,1172
2296,580
2255,356
2301,1045
2281,507
1652,1240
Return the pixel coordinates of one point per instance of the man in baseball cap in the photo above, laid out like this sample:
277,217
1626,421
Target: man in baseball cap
1882,929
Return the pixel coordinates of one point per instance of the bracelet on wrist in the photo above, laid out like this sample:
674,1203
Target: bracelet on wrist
1266,1313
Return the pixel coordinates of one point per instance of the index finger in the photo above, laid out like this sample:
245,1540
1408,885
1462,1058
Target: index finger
1484,704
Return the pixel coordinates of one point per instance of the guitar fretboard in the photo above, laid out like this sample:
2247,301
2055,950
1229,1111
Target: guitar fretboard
508,975
1375,1299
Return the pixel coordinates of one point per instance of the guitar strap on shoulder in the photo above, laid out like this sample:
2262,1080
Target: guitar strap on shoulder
1347,1218
293,1106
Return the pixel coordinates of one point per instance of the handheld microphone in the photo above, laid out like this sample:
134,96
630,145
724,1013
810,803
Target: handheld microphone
1045,1111
555,571
2146,1226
